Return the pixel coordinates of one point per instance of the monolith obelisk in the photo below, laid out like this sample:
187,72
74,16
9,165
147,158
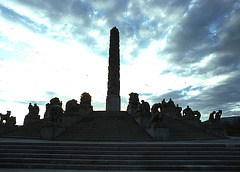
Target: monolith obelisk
113,93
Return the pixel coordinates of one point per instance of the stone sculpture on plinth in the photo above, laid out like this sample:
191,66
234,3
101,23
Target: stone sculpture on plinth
7,120
33,115
214,125
7,123
85,107
133,103
53,124
113,102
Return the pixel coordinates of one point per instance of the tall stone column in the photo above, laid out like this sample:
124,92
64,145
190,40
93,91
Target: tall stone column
113,94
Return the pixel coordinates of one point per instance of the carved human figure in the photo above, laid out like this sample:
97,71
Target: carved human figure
164,105
133,99
7,119
71,106
146,106
171,103
35,109
155,108
143,109
54,101
218,116
85,99
187,112
178,111
197,114
211,117
56,113
30,108
156,118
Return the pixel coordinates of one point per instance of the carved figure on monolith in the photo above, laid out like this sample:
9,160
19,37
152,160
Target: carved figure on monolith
113,93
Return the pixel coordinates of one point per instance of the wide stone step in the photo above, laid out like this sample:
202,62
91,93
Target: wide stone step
99,167
119,162
120,152
121,157
116,148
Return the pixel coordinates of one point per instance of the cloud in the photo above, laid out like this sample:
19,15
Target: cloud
222,96
51,94
185,50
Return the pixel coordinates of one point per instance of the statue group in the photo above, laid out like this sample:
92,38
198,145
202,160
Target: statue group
7,119
167,108
159,110
54,112
214,117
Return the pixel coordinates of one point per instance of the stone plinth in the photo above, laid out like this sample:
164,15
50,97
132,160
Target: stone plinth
158,133
68,120
30,120
143,121
193,122
51,130
131,109
218,130
113,103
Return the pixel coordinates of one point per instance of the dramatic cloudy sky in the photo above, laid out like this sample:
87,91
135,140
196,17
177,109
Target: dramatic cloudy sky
187,50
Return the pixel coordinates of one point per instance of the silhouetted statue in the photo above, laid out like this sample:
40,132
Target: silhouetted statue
146,106
133,99
7,120
211,117
156,114
53,110
155,108
156,118
71,106
164,105
32,116
133,103
36,109
178,111
197,114
85,99
143,109
218,116
188,113
30,108
33,110
55,101
56,113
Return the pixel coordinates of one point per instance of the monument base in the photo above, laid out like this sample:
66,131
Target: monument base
113,103
131,109
161,134
144,121
51,130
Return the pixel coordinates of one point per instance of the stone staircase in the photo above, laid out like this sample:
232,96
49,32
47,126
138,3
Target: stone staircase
106,126
121,156
178,130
